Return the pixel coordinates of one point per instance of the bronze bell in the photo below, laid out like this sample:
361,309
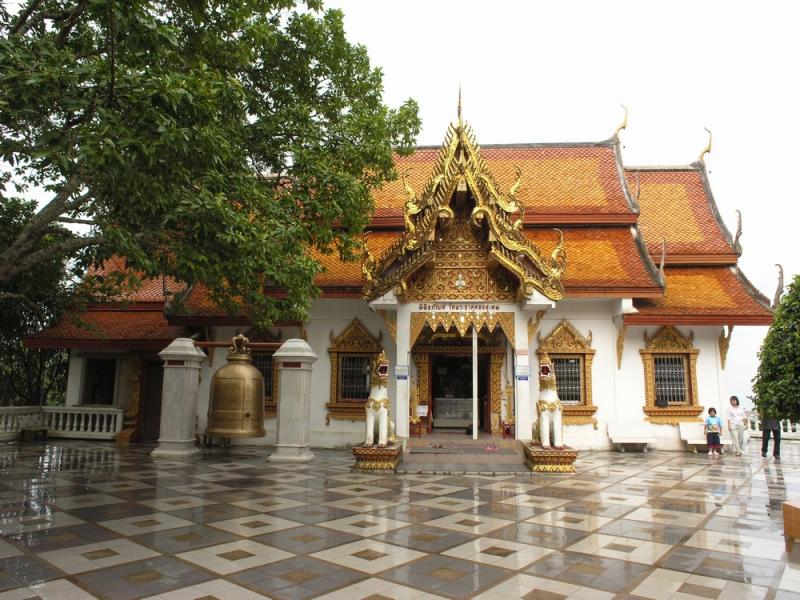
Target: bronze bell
236,406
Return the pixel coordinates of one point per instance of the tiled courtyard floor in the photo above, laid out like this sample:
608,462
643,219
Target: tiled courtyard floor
82,520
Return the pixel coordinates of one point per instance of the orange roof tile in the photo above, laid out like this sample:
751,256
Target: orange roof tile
601,259
108,328
150,289
676,205
557,179
344,274
704,295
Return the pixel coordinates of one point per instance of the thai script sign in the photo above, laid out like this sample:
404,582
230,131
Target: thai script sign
458,307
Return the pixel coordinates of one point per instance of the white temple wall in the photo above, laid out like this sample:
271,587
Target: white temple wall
586,316
618,394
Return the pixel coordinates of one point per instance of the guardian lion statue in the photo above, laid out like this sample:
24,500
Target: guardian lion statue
548,406
378,405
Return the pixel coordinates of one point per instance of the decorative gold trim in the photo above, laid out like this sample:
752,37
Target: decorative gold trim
354,339
460,167
496,390
390,322
462,322
668,340
724,343
620,344
533,324
563,341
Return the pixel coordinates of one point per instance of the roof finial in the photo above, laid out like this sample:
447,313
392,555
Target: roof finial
663,260
624,123
737,247
459,102
779,291
707,149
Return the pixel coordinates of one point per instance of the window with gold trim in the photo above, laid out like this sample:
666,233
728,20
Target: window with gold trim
352,353
571,354
670,376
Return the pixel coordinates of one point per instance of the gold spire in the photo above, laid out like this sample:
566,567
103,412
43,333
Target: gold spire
707,149
624,123
459,103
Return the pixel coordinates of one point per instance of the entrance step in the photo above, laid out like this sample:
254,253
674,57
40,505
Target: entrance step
448,456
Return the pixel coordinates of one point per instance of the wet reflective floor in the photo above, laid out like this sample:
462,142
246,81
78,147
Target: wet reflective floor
87,520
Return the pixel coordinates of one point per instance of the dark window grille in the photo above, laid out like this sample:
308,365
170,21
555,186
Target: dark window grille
569,379
263,362
354,377
670,376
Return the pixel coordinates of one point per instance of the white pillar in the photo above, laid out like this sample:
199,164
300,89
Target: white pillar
474,382
294,360
179,400
404,342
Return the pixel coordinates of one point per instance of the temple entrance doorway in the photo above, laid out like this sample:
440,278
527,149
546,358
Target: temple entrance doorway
442,392
451,393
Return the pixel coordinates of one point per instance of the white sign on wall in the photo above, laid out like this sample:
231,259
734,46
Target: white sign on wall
458,307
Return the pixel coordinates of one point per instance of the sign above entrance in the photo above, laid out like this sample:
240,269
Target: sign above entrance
458,307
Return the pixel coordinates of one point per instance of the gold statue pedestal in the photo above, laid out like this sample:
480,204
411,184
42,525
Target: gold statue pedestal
373,458
550,460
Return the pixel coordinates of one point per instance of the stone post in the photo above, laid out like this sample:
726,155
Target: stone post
179,400
294,360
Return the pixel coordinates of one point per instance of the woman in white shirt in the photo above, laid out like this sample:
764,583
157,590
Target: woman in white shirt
737,421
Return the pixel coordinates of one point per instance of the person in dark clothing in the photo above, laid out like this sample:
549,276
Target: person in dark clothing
770,424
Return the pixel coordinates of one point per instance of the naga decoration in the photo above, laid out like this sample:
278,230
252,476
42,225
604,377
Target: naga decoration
460,167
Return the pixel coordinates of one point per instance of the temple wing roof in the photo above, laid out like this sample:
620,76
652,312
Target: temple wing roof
676,205
137,327
603,261
704,295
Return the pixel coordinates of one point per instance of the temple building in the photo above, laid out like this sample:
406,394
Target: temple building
480,259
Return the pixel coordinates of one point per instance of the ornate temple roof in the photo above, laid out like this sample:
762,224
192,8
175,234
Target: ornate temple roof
676,205
560,183
614,220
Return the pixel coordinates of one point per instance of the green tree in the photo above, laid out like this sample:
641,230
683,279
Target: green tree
28,375
777,383
216,141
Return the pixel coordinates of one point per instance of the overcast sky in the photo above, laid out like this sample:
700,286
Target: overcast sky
558,71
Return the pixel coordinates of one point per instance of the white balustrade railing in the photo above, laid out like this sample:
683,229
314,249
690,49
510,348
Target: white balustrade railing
789,430
81,422
12,416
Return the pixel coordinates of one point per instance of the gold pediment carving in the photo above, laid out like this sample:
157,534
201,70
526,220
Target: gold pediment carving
461,171
669,338
355,338
564,338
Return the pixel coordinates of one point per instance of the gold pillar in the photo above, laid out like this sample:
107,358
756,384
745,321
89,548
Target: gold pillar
496,391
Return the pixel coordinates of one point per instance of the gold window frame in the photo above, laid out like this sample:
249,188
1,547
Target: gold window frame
354,339
566,341
668,341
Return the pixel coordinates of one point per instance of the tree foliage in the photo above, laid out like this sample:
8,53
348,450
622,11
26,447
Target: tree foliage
216,141
28,375
777,383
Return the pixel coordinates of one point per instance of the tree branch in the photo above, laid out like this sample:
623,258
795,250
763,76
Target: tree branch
30,234
71,21
21,25
78,221
7,272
